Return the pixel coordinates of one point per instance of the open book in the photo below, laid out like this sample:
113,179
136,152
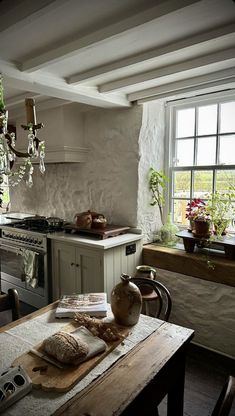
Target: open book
93,304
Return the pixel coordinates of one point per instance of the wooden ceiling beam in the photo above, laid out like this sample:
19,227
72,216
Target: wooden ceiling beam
19,13
208,37
58,88
185,83
199,62
71,48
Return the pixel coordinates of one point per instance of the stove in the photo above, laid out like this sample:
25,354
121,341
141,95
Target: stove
24,262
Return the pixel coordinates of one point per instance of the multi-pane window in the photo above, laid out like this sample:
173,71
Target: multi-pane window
202,151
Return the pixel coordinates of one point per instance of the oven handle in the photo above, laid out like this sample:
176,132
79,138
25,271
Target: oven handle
19,250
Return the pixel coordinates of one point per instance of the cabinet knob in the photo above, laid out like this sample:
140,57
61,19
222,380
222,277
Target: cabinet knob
77,265
72,264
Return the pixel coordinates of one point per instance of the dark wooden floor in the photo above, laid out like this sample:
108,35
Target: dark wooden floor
206,372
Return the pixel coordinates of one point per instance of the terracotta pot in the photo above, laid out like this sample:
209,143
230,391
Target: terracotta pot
201,229
83,220
126,302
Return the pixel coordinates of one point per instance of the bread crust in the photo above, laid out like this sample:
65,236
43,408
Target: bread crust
66,348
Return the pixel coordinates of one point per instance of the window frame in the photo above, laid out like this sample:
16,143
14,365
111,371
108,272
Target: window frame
171,125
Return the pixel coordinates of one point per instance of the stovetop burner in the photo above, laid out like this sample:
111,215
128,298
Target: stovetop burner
39,228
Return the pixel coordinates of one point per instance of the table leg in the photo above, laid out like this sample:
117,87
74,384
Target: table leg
175,401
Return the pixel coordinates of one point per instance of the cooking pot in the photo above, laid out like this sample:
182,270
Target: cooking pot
44,222
54,222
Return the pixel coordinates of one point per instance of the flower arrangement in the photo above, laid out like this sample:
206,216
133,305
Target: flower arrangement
197,210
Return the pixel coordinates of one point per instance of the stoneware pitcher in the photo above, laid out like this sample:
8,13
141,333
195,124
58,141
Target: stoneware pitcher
126,302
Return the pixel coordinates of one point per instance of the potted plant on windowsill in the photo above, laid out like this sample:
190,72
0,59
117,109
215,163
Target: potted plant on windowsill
157,185
192,210
201,221
222,211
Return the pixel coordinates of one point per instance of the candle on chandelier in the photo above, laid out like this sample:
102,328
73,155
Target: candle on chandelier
30,111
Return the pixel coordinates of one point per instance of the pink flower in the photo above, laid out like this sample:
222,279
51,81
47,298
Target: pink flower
194,207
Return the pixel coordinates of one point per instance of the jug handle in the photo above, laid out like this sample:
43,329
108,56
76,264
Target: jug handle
154,272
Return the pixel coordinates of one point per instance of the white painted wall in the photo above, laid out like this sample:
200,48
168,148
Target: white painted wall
107,182
207,307
151,148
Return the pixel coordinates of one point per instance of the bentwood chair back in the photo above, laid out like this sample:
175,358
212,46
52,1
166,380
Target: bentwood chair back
10,301
225,400
163,297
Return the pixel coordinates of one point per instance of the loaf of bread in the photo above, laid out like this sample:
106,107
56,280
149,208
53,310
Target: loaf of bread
66,348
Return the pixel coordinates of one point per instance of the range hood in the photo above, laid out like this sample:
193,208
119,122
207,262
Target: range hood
63,133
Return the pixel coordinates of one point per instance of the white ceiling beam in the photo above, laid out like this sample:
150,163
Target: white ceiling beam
71,48
58,88
23,12
152,54
19,99
47,104
215,86
201,61
185,83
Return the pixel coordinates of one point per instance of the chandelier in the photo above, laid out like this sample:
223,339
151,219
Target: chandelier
10,156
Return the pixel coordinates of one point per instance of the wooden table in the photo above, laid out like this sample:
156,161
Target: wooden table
136,383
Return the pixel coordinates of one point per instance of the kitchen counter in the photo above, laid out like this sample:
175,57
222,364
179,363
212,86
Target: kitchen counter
93,242
6,221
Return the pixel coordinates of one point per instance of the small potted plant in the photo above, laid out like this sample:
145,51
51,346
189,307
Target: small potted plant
201,218
192,209
222,211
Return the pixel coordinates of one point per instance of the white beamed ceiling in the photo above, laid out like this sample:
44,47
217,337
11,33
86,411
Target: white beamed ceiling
110,53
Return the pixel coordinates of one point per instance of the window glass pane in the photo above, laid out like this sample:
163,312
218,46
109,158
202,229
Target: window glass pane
184,152
227,150
181,184
179,208
206,151
227,117
207,119
225,180
185,122
202,183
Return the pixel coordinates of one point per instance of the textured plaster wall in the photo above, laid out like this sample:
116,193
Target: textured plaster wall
204,306
151,147
107,182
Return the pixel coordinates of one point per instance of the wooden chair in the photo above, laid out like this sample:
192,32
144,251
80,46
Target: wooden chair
225,400
161,294
9,301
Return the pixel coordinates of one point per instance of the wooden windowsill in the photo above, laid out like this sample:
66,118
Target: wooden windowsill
190,264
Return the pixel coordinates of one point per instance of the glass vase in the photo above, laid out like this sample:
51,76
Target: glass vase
168,232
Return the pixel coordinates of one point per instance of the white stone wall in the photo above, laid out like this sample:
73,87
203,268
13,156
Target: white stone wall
151,148
204,306
107,182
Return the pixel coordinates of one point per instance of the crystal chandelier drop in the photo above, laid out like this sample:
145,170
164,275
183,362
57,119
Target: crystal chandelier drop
10,156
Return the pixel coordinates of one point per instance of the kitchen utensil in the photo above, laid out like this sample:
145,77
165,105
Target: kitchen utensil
83,220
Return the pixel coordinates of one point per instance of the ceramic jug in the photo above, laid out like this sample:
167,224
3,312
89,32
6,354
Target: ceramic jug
147,272
126,302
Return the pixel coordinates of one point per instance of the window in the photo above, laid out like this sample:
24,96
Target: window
201,151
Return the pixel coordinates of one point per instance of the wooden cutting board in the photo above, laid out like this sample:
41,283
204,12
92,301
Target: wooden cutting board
102,233
48,377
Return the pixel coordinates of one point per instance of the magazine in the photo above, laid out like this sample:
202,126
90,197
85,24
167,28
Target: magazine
93,304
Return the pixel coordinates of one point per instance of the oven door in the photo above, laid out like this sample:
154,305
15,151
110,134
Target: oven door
14,268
